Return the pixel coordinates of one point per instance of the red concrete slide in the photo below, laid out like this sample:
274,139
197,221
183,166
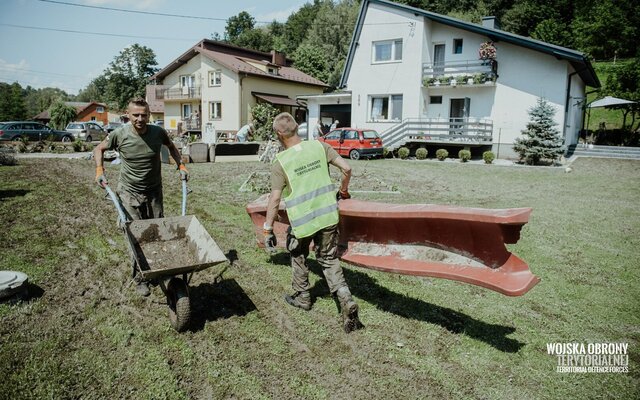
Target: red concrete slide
457,243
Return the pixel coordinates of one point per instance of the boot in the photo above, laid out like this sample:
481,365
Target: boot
349,310
300,300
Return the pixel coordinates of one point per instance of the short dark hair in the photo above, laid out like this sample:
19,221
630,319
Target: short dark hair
139,101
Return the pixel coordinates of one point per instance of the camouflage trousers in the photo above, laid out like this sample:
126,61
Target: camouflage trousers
142,205
326,243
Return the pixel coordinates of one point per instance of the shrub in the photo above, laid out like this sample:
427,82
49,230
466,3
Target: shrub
78,145
488,157
421,153
7,158
441,154
385,152
403,152
464,155
262,116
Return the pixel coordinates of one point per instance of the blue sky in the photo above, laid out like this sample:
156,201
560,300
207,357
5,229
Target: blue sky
44,57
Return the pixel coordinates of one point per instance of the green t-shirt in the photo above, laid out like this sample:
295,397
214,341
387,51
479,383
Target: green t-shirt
140,156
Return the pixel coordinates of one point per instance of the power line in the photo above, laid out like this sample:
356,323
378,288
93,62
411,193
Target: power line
10,69
64,3
135,11
96,33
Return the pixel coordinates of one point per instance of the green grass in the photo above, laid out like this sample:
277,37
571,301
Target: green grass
88,335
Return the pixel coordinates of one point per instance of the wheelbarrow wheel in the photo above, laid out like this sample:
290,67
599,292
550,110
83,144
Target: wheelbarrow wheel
179,304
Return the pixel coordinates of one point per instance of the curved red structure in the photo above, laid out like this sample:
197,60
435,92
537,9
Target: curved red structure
457,243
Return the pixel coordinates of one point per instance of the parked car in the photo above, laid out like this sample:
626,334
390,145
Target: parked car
355,143
88,131
111,126
16,130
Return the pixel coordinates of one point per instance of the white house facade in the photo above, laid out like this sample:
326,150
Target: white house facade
215,86
417,77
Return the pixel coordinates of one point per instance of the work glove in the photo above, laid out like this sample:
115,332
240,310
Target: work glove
343,195
270,240
292,241
184,174
101,180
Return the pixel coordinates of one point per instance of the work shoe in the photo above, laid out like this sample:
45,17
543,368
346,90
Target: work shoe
142,289
299,299
349,310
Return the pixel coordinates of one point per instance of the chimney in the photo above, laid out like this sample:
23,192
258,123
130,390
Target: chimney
490,22
278,58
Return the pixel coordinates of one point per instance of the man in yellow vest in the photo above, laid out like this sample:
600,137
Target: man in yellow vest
301,174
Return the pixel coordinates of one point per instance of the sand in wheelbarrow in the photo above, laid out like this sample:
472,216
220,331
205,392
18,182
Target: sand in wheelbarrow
169,254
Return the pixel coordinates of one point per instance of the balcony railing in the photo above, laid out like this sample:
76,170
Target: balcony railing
179,93
478,71
460,131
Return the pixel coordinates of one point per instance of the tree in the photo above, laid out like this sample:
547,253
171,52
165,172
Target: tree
95,91
608,29
61,115
128,75
237,25
541,139
297,25
553,31
331,32
38,100
256,39
309,59
12,105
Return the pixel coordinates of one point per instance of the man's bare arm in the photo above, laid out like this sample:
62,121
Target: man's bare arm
272,207
345,168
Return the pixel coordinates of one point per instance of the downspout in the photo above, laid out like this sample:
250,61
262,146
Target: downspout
566,107
241,76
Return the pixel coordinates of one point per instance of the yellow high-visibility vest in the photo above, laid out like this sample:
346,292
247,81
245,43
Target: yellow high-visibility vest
310,198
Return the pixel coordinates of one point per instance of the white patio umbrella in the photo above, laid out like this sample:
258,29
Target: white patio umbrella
609,101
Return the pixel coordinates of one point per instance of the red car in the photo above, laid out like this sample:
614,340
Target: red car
355,143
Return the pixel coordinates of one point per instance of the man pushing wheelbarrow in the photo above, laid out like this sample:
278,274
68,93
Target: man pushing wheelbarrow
140,183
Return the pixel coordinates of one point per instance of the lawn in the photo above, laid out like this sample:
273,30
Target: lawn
86,334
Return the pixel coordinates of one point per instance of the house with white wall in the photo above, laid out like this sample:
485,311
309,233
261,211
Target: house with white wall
214,85
419,79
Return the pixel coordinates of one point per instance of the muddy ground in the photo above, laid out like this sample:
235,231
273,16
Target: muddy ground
84,333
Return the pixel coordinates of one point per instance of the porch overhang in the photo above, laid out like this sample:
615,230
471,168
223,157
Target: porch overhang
276,99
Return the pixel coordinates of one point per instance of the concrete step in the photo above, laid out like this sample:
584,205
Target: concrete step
604,152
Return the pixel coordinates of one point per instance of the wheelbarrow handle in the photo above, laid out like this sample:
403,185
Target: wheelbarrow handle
184,197
116,201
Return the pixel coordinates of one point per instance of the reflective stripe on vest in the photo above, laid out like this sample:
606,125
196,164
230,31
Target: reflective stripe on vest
311,201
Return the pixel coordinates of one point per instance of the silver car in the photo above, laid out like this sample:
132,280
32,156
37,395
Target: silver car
87,131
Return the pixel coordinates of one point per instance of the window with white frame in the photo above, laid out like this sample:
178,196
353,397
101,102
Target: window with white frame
215,78
387,51
386,108
215,110
99,109
187,81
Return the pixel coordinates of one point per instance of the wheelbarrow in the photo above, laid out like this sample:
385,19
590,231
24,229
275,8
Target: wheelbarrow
167,252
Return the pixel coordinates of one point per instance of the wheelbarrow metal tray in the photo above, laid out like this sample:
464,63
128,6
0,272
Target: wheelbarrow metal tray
172,246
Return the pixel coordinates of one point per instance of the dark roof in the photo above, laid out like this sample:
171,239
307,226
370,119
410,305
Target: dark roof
577,59
238,60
